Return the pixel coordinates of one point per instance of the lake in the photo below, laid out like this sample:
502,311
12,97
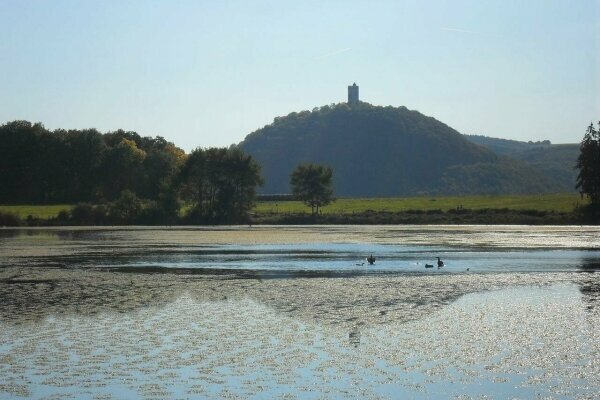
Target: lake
296,312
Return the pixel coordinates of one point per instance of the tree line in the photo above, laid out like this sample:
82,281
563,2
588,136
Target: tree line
121,177
65,166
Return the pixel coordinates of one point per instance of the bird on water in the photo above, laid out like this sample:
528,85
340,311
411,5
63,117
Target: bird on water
440,263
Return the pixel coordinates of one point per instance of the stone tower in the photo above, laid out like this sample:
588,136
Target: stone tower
353,94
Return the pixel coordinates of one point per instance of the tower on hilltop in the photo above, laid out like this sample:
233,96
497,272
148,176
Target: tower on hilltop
353,94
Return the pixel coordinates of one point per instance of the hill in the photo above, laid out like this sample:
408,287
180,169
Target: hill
386,151
505,146
555,161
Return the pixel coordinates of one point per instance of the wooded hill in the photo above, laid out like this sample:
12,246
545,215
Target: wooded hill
390,151
555,161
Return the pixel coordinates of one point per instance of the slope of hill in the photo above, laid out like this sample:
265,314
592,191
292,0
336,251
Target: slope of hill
555,161
505,146
385,151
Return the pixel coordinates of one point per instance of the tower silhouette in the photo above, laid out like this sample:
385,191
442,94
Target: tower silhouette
353,94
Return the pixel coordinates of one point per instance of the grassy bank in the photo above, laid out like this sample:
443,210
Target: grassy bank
429,217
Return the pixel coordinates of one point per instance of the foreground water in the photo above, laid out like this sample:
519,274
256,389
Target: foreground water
289,312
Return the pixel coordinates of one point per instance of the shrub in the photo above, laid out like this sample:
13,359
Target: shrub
126,209
82,214
9,219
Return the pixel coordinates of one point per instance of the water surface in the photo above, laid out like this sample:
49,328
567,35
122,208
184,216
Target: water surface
268,312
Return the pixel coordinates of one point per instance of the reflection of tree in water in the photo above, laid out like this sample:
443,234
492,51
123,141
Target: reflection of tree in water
59,234
590,288
8,233
354,337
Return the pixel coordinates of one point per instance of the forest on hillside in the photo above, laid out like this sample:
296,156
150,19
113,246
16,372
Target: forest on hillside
389,151
555,161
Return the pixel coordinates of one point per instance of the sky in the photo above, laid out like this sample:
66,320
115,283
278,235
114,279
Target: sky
207,73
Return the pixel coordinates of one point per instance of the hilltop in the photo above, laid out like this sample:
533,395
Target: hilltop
388,151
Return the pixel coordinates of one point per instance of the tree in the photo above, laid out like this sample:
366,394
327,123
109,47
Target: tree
588,163
241,177
80,161
312,184
126,208
160,167
220,183
122,168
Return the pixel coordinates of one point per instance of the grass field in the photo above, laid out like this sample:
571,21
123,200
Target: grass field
546,202
42,211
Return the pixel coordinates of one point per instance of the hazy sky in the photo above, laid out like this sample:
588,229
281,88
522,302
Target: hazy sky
207,73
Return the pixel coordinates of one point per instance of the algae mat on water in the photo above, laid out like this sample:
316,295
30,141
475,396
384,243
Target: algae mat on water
133,336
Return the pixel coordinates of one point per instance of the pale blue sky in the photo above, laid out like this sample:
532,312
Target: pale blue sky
207,73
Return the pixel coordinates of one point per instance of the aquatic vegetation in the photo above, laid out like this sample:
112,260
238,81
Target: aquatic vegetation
143,313
483,343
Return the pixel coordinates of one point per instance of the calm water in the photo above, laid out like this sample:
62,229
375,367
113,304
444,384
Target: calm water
313,249
266,312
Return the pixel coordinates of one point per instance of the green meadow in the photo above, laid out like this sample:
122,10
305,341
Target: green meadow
546,202
36,211
564,202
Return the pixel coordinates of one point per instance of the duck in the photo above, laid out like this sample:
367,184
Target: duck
371,259
428,266
440,263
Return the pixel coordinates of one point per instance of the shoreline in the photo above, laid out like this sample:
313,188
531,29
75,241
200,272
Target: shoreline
409,217
427,217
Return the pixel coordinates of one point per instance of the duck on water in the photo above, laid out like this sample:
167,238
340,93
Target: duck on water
371,261
440,264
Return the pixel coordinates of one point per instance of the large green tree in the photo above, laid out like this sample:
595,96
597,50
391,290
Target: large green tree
122,169
588,163
220,183
312,184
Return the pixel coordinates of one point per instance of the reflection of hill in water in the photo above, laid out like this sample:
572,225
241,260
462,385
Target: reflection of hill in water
522,342
89,271
80,316
27,295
